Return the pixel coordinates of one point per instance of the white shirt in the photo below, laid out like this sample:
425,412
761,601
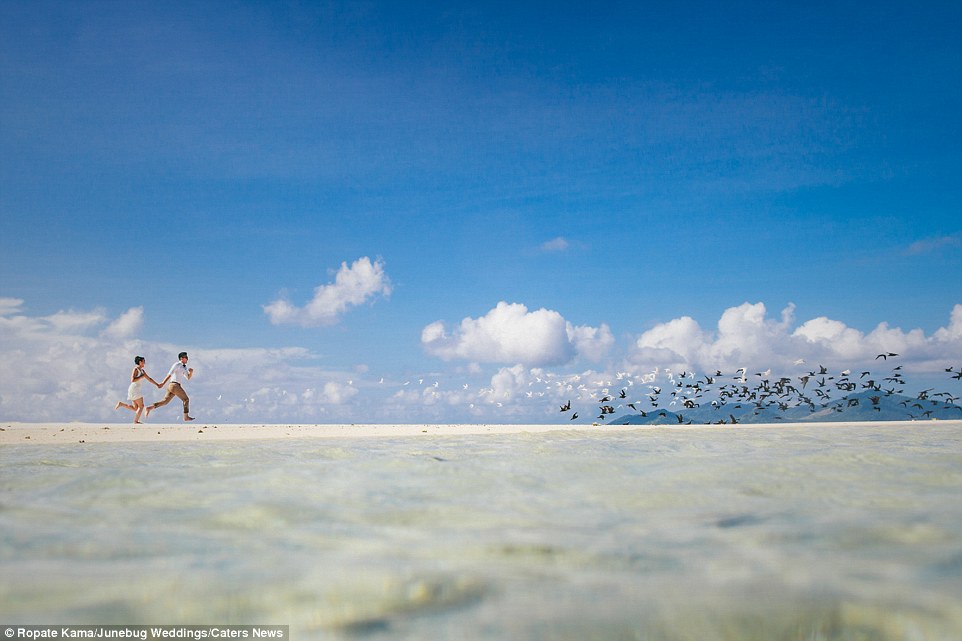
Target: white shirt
178,373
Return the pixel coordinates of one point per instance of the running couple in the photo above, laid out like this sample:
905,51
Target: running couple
178,375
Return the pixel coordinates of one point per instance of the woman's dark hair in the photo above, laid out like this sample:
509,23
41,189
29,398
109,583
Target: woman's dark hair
138,360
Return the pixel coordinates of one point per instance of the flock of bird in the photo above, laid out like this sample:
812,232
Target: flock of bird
817,390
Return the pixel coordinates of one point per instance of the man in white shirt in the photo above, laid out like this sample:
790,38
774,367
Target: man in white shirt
178,375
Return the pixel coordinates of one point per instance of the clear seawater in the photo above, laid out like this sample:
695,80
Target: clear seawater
805,533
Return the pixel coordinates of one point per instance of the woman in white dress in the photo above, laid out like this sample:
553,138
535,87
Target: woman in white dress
134,393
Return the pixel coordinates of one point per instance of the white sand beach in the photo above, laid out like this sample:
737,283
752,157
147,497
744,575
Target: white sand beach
60,433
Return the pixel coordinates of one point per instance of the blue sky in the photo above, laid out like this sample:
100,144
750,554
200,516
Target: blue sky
441,174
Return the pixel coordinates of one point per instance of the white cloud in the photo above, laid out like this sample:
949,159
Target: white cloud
677,341
268,384
74,366
930,245
54,364
509,333
744,333
127,325
10,306
338,393
952,333
352,286
558,244
746,337
508,382
831,336
591,343
510,393
73,321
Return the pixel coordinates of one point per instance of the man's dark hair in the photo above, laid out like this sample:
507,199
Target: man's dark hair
182,355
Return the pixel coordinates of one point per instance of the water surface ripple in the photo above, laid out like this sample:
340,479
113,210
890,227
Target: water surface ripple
710,533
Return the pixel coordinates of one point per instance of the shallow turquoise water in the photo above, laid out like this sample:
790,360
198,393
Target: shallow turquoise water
803,533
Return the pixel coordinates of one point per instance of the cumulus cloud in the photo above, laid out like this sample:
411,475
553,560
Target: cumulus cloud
338,393
746,337
952,333
127,325
10,306
677,341
591,343
352,286
508,382
509,333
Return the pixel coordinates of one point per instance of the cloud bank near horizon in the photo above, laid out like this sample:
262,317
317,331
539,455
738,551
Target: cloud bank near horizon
73,365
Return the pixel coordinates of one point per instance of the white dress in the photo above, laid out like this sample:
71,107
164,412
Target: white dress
134,391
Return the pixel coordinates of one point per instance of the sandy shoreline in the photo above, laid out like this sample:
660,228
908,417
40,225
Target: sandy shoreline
61,433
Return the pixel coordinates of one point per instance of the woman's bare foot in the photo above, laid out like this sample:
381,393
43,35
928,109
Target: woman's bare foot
188,418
